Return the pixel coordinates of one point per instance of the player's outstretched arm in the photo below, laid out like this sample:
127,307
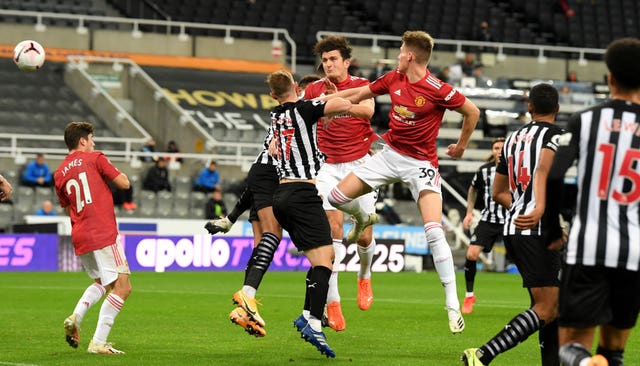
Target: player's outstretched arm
364,109
337,106
355,95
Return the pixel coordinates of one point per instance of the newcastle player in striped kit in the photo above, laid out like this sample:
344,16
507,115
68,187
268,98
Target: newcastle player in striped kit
491,224
296,203
600,283
530,237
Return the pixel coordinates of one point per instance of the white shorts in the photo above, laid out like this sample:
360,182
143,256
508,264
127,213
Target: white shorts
388,166
106,263
331,174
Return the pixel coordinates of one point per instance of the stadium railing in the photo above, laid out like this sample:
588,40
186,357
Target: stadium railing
170,26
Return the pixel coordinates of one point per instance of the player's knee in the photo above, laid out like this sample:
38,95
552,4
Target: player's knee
547,312
365,239
473,253
122,289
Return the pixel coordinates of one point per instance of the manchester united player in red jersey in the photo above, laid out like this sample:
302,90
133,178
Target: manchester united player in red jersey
81,185
346,144
419,101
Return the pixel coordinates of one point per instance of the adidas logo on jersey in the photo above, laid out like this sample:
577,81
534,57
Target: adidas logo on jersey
397,92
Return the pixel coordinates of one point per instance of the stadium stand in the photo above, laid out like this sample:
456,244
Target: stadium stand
512,21
39,103
241,119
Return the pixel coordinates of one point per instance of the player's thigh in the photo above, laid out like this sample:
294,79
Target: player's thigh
430,206
262,182
584,297
298,208
328,177
111,262
419,175
538,266
486,235
625,297
375,172
90,265
268,221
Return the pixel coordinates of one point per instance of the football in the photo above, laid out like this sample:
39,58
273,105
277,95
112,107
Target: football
29,55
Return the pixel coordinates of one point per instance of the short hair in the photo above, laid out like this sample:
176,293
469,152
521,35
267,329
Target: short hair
420,43
496,140
621,58
75,131
544,98
308,79
332,43
280,82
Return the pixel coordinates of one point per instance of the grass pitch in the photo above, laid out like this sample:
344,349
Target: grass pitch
182,319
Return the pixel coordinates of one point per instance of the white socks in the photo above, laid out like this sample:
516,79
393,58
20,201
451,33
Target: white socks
346,204
90,297
108,312
333,294
443,261
366,258
249,291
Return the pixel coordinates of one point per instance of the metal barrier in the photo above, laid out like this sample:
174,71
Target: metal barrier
169,24
459,44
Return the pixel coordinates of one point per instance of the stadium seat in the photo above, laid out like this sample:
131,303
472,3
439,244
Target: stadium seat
148,199
6,213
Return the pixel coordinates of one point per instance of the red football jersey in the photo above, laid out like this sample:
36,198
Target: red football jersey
347,138
81,183
416,112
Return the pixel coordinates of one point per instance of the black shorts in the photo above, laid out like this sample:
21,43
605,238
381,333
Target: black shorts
486,235
253,214
538,266
298,208
262,181
595,295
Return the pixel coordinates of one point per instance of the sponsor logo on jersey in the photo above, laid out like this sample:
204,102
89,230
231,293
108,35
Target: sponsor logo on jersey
403,111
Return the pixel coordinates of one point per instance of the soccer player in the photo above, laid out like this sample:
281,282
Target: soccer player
346,144
530,237
262,182
419,101
490,227
81,186
600,283
296,203
5,189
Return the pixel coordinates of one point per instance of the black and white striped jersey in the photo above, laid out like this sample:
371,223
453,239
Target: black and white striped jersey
518,161
606,141
264,157
482,182
294,128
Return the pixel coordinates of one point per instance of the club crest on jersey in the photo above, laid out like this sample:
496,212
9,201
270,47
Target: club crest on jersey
419,101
